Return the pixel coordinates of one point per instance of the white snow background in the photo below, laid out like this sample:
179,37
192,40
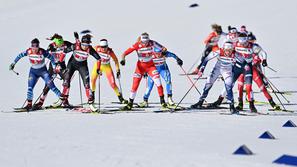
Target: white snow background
196,139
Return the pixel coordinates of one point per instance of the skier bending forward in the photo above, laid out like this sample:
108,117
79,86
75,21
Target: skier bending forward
224,67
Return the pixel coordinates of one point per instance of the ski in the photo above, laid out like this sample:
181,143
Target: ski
89,111
282,110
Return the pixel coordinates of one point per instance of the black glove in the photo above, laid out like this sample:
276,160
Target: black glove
145,75
179,61
123,62
264,63
98,71
11,66
118,74
76,35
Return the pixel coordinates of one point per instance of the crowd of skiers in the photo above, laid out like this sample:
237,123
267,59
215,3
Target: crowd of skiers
239,58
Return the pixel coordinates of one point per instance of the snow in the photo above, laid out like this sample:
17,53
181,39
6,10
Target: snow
60,138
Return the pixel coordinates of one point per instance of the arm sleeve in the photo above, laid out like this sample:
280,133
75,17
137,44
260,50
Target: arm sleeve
69,48
208,38
131,49
50,57
115,59
94,54
21,55
170,54
205,61
263,54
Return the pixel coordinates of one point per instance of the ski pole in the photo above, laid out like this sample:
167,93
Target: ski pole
15,72
190,80
191,68
79,80
172,110
271,69
277,90
272,86
99,91
277,97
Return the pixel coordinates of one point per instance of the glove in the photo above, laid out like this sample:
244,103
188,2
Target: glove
264,63
145,75
123,62
76,35
179,61
99,72
57,69
118,74
200,72
11,66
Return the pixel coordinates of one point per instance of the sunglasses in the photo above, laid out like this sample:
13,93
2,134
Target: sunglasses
233,31
35,45
85,44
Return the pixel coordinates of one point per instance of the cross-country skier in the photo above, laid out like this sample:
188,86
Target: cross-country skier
211,42
223,67
159,58
145,50
78,62
259,56
232,34
38,69
244,58
106,53
56,48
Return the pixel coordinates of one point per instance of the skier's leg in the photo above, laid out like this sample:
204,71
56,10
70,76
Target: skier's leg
94,77
208,85
150,85
49,82
111,79
85,76
32,80
154,74
240,84
210,81
227,75
166,75
258,79
46,88
248,81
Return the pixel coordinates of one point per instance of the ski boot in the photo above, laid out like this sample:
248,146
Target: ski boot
127,107
93,94
91,103
217,103
28,107
274,106
252,106
58,103
240,104
143,104
170,102
163,103
233,110
38,106
63,100
197,105
122,100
